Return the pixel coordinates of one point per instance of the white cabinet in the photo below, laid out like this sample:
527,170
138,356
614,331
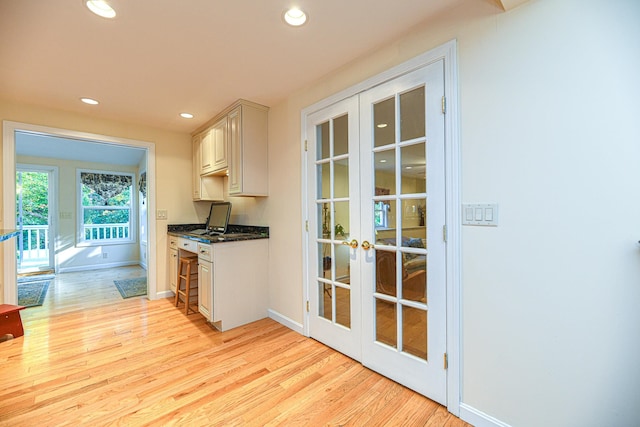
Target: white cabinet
248,149
208,188
205,279
213,149
173,262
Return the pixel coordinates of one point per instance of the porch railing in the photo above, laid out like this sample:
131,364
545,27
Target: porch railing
33,244
105,231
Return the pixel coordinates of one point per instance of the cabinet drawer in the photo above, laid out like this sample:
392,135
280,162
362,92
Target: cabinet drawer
204,251
173,242
188,245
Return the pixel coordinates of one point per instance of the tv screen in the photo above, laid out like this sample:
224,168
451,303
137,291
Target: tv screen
218,217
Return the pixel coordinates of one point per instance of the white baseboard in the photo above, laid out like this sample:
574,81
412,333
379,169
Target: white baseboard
479,418
165,294
97,266
284,320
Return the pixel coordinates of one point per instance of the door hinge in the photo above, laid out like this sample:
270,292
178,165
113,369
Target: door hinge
444,233
306,225
444,105
446,361
306,146
307,306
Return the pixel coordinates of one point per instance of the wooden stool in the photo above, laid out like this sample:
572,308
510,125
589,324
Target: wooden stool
10,321
191,273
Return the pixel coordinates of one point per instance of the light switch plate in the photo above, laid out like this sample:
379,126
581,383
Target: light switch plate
161,214
480,214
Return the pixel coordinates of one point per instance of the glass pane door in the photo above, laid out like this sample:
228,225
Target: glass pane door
402,142
334,226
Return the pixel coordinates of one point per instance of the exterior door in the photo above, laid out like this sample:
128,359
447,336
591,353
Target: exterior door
377,264
34,245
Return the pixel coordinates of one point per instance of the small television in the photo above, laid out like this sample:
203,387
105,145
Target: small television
218,219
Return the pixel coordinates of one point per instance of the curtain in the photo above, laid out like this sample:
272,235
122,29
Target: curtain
105,186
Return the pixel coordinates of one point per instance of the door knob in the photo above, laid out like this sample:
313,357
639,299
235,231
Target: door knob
353,243
366,245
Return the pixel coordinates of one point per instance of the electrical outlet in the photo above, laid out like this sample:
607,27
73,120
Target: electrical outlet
105,255
161,214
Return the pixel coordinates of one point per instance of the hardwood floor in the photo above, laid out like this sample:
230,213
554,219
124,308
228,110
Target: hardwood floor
91,358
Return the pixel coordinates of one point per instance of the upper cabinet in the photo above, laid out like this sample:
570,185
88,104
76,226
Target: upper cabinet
205,187
233,144
248,171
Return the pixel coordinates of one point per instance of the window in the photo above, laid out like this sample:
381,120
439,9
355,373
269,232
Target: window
381,214
106,203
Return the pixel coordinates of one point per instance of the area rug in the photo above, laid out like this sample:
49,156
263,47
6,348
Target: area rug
32,294
132,287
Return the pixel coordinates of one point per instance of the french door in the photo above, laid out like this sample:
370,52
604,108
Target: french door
377,285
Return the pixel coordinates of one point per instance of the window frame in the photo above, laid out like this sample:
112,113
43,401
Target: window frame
132,208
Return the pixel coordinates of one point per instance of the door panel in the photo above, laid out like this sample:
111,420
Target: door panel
334,209
404,320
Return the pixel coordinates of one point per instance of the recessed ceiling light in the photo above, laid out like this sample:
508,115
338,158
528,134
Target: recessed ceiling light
383,161
382,125
295,17
89,101
186,115
101,8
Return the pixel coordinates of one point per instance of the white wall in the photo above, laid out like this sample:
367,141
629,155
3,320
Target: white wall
550,130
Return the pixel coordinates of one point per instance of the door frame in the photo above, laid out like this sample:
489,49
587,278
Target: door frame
448,53
53,205
9,194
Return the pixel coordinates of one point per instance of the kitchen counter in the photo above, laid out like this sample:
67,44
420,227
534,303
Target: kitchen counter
8,234
235,233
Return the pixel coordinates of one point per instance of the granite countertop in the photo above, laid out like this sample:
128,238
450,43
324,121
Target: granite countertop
8,234
235,233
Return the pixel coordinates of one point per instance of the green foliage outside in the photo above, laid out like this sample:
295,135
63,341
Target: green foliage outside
34,187
104,214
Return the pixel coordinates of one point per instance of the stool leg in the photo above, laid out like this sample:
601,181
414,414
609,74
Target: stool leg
187,289
177,298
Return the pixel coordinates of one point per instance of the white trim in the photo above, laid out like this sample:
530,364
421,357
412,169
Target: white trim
447,52
9,190
479,418
98,266
284,320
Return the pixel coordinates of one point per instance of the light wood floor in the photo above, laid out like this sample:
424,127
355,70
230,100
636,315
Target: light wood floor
92,358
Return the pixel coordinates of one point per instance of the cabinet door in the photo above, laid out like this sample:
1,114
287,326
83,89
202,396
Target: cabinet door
206,152
219,145
235,151
205,285
195,149
173,268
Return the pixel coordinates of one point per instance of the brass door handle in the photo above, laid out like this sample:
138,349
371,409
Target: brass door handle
353,243
366,245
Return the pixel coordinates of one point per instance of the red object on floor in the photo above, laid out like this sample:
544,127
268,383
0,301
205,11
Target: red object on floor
10,321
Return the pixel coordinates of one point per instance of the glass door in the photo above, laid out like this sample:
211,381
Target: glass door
403,218
334,224
34,245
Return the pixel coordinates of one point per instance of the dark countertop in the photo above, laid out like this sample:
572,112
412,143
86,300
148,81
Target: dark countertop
8,234
235,233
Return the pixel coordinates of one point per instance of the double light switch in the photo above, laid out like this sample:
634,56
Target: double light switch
480,214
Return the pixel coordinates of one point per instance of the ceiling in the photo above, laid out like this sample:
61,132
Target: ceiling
159,58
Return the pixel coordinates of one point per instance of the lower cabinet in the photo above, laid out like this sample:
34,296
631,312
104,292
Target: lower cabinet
232,285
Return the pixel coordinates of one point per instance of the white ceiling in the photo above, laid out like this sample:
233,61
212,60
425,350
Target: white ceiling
39,145
158,58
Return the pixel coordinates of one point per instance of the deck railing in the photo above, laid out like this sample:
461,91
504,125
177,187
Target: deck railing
33,244
105,231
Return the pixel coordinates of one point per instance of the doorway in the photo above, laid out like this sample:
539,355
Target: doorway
35,219
10,132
